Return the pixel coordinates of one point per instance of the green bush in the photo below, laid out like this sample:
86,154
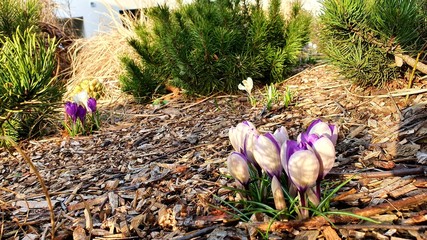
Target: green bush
363,38
211,46
18,13
29,89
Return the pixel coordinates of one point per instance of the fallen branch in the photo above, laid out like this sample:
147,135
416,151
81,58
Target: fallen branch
413,63
319,221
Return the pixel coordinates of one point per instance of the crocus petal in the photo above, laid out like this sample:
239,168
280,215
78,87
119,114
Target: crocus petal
320,128
288,148
81,113
91,103
248,149
81,98
278,196
334,136
241,87
267,154
313,197
249,84
303,168
242,138
281,135
325,151
238,167
71,110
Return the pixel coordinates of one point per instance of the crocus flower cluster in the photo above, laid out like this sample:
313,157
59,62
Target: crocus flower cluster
294,165
78,111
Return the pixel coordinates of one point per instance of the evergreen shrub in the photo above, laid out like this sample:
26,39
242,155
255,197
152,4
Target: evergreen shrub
29,89
18,13
369,39
211,46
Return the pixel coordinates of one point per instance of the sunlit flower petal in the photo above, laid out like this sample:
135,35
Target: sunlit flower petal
325,151
246,85
81,98
288,148
242,138
278,196
281,135
323,129
303,168
238,167
267,154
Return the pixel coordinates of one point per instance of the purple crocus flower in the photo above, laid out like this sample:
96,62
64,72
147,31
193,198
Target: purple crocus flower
81,113
302,166
71,110
242,139
238,168
323,129
267,154
324,149
91,104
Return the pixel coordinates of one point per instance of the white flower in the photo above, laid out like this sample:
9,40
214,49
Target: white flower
81,98
247,85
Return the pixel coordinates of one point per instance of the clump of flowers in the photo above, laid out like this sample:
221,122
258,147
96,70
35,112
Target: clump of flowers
275,170
81,115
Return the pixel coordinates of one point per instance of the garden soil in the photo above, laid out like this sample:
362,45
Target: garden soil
158,171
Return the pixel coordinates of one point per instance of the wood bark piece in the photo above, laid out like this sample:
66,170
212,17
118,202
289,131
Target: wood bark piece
317,222
330,234
90,203
419,218
403,190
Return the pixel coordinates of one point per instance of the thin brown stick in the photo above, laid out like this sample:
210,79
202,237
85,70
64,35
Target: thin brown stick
393,173
197,233
198,102
383,226
40,179
317,222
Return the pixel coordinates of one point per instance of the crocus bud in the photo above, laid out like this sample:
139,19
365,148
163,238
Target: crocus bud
321,128
91,104
238,167
325,152
81,113
267,154
242,139
314,199
281,135
278,196
71,110
303,167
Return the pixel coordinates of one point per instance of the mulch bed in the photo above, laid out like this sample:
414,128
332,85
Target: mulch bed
152,171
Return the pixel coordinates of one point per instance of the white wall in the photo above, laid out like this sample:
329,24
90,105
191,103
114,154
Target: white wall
96,17
96,13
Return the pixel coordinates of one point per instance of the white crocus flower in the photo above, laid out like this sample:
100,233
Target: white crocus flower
247,85
81,98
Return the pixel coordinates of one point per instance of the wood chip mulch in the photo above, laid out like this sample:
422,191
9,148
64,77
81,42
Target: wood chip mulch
152,172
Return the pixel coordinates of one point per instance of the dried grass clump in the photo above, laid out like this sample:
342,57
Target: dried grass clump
98,58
